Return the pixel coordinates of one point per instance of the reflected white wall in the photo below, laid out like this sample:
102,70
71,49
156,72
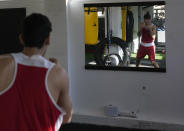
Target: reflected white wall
134,10
116,18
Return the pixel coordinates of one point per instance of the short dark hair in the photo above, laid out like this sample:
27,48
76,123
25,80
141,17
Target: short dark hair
35,29
147,16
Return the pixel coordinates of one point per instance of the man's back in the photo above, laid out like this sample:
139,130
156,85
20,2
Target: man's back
27,102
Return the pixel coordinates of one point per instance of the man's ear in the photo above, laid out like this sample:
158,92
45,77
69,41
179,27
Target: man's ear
47,41
21,39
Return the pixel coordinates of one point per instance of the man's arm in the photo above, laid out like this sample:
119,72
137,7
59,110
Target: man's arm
153,31
141,25
64,99
62,84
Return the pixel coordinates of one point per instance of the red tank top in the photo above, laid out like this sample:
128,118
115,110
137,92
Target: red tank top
146,37
27,105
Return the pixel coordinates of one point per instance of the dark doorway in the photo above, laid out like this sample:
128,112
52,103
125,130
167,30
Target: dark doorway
10,28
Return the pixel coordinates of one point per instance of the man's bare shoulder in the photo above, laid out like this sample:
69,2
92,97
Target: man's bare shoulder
7,65
58,70
58,76
6,56
5,60
141,24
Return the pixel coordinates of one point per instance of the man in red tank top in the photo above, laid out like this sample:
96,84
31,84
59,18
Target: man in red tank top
34,91
147,47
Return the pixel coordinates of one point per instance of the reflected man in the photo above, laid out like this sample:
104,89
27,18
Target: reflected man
147,46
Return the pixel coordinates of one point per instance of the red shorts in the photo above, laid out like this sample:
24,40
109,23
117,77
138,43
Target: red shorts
143,51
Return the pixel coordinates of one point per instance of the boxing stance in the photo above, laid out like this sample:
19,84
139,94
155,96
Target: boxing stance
147,46
34,92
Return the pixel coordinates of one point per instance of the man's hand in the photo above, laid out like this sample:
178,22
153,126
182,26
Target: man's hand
151,29
54,60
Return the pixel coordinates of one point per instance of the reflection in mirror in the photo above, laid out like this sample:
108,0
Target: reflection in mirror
126,35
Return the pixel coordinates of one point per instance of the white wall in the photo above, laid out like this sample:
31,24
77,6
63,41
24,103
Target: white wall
162,101
56,11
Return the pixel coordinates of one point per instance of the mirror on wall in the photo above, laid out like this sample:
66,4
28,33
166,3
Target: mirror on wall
125,36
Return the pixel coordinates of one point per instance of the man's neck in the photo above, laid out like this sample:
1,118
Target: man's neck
32,51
